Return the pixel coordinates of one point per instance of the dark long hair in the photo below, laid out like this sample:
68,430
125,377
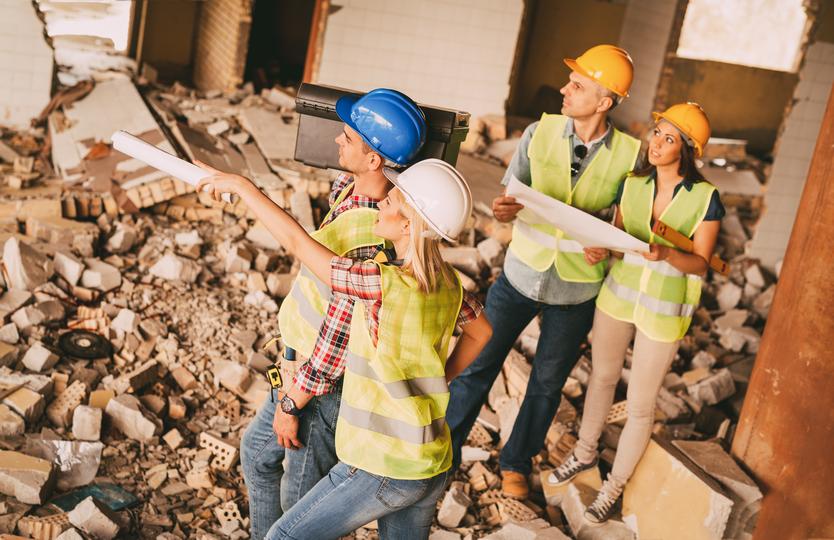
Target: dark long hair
687,168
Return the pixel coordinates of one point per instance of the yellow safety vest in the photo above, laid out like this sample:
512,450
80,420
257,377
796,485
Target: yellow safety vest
304,308
654,295
540,246
392,417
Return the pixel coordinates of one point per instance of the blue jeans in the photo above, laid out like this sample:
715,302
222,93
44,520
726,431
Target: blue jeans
563,328
348,498
265,462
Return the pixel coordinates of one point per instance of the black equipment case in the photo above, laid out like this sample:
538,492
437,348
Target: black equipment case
319,125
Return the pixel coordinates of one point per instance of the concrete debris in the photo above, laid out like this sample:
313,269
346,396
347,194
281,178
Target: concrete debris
174,268
95,519
668,494
180,286
26,478
100,275
130,417
23,266
86,423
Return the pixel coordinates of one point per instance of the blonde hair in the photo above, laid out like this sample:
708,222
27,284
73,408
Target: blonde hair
422,260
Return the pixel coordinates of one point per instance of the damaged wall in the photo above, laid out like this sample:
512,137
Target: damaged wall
742,102
453,54
25,63
796,143
647,26
169,38
558,30
222,41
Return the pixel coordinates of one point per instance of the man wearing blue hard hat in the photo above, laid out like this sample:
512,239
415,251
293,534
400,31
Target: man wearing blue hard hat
382,128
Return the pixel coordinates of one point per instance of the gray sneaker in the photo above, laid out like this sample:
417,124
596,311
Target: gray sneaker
565,472
603,506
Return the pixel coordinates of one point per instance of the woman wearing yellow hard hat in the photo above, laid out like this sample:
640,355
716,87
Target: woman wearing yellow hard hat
649,296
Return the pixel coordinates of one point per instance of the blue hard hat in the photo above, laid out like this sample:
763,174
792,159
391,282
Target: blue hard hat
388,121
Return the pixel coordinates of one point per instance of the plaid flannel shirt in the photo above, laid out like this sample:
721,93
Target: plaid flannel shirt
310,376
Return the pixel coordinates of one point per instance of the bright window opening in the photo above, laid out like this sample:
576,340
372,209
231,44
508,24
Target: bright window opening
759,33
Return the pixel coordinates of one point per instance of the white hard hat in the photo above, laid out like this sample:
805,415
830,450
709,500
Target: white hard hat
438,192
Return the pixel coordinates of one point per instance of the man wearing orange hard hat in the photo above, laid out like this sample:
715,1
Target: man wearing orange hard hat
579,158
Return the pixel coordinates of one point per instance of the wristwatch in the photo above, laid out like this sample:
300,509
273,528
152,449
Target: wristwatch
288,406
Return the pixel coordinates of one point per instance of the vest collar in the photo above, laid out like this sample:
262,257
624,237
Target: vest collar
604,138
686,182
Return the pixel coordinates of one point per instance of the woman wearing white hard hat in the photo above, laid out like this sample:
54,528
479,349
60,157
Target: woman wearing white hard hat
391,437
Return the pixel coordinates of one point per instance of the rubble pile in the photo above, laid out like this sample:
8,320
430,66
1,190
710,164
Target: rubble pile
135,313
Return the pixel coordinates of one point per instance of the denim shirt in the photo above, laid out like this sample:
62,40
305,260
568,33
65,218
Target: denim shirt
547,287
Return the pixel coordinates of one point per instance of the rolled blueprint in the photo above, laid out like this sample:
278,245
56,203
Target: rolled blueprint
157,158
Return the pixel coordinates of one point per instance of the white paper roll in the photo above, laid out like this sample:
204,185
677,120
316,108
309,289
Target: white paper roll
157,158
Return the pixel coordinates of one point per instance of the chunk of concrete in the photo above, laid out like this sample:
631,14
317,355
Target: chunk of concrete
11,423
668,494
238,259
492,252
39,358
466,259
9,334
453,508
122,239
95,519
86,423
8,354
27,403
279,285
744,492
127,414
26,268
26,478
100,275
174,268
729,295
12,300
126,321
302,209
537,529
68,267
713,389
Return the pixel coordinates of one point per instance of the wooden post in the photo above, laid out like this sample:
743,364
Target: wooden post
785,435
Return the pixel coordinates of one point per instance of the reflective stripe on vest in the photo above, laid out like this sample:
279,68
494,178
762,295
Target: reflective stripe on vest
303,310
392,427
661,307
392,418
541,246
418,386
654,295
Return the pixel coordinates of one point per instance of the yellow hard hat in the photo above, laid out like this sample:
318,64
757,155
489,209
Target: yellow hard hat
610,66
691,120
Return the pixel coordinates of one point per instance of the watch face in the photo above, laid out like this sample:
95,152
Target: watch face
287,405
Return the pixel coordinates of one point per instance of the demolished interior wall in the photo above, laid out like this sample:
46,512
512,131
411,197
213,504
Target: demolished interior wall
540,72
797,140
26,64
458,54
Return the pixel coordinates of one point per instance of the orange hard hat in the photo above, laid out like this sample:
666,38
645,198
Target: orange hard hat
691,120
609,65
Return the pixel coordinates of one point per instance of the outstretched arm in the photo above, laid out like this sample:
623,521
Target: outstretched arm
278,222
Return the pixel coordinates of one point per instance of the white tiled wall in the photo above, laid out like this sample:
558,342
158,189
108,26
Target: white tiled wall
25,63
449,53
645,34
793,155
